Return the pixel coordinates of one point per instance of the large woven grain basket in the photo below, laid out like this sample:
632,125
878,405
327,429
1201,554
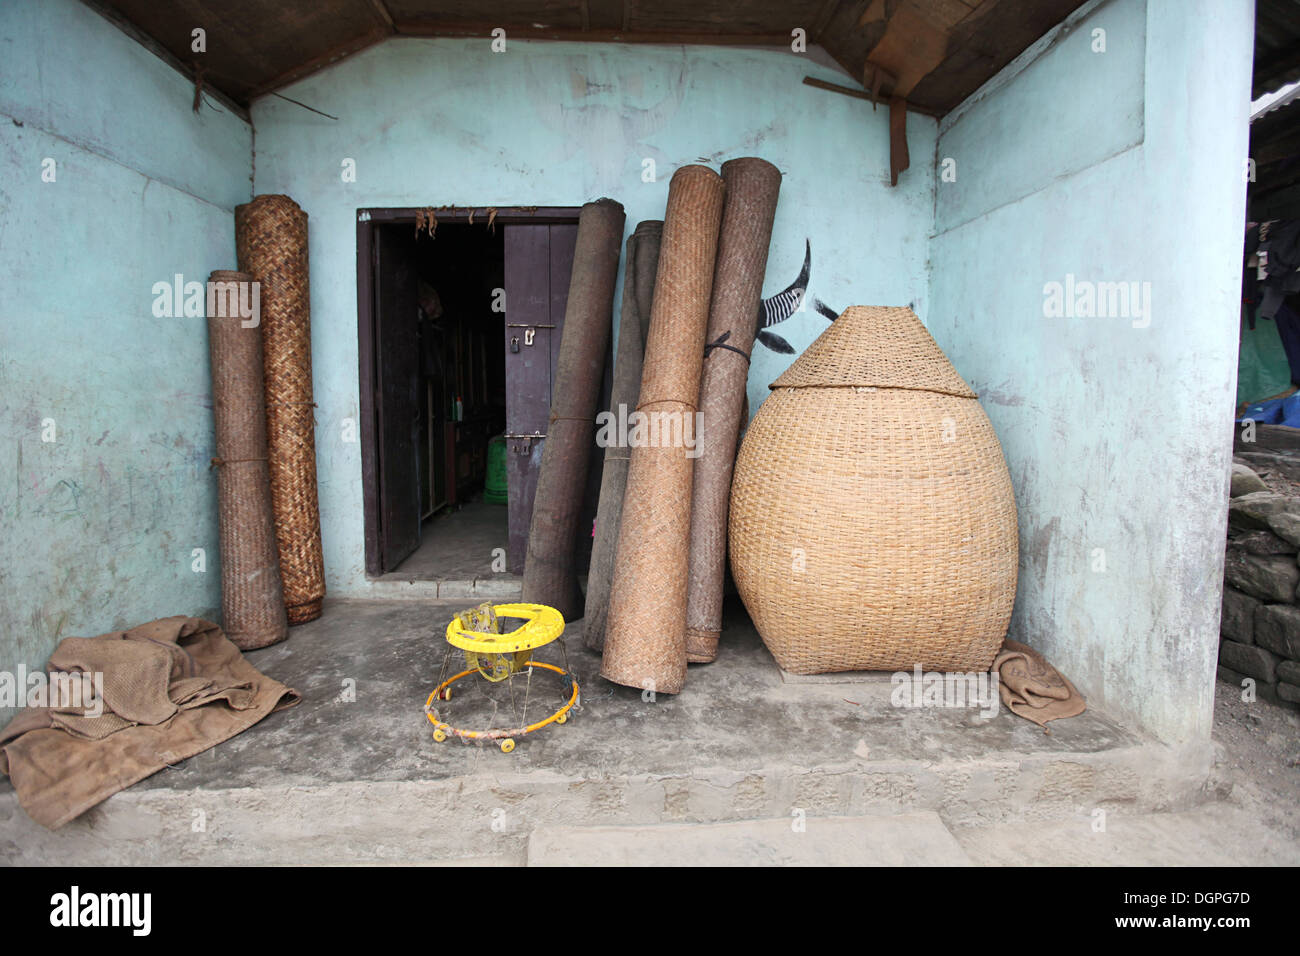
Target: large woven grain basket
873,525
271,241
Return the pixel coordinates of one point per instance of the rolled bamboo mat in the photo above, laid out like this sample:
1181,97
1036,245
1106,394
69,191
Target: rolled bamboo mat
271,240
747,215
645,638
549,574
634,321
252,602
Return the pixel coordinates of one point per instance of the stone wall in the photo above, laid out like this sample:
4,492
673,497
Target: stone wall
1259,630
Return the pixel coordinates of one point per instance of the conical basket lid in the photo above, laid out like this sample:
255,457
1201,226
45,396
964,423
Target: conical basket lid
875,346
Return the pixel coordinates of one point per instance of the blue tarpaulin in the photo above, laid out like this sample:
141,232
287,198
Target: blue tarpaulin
1276,411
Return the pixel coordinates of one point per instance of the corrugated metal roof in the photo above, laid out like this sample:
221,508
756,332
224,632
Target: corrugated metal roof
1282,102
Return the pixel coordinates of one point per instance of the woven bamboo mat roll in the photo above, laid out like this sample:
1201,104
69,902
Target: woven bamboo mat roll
252,602
271,240
634,321
645,638
549,574
747,215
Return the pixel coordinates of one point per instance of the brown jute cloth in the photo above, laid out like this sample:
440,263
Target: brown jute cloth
747,215
167,690
1032,688
271,241
549,574
645,639
634,322
252,601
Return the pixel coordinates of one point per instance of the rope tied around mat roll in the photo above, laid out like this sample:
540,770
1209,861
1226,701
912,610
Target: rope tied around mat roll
721,343
217,462
686,406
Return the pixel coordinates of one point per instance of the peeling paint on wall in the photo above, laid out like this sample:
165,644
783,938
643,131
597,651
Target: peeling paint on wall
105,409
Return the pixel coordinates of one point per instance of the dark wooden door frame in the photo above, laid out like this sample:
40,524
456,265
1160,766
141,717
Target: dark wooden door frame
368,219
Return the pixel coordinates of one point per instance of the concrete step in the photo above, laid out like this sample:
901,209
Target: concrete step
907,839
1215,834
352,775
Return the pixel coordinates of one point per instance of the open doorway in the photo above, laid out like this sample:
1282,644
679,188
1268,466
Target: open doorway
460,313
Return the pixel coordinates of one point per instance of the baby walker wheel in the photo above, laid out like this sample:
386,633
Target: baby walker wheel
507,745
563,718
439,735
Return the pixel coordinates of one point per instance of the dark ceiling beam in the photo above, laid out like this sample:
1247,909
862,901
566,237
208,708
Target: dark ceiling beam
603,15
823,18
863,95
317,63
158,50
385,16
526,31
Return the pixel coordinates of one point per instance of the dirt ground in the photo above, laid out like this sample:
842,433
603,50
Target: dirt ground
1276,481
1257,758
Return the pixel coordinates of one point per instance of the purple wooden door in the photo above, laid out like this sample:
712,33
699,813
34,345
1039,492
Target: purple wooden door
539,259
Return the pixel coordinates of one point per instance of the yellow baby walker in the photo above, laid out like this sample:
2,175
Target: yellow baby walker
499,658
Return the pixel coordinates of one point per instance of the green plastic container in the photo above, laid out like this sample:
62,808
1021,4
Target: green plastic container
494,486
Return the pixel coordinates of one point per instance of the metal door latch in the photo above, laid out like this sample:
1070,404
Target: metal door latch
523,444
530,333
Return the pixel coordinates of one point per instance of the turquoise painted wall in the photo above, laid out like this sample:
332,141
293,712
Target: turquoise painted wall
448,122
1115,166
99,525
1123,165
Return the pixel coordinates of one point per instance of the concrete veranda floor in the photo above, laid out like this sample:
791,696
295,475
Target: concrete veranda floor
352,774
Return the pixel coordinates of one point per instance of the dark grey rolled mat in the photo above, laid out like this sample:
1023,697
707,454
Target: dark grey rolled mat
252,600
550,576
747,214
642,260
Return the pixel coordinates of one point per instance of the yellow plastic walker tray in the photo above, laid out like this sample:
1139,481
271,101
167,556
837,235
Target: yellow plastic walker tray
499,658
